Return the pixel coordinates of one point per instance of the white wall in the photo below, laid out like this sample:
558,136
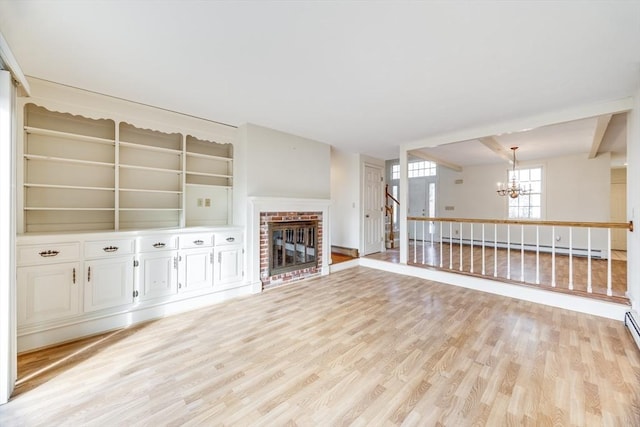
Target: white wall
345,198
279,164
575,189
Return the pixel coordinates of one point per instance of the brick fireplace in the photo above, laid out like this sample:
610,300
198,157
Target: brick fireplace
290,246
281,213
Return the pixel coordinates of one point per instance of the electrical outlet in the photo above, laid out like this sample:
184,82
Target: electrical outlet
199,203
207,203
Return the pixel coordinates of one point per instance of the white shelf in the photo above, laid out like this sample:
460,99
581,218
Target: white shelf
66,160
215,175
149,148
208,185
208,156
33,208
67,135
150,209
142,190
68,187
147,168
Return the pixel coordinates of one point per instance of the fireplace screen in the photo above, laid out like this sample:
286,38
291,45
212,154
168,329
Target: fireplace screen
293,246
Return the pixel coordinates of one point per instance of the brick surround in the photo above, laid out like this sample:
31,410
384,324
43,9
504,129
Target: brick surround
265,219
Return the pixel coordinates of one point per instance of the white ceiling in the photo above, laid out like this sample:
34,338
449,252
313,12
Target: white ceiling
363,76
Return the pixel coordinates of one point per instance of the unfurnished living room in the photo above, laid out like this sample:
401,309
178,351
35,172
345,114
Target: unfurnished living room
318,213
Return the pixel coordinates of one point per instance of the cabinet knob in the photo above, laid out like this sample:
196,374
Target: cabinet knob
110,248
231,239
159,245
48,253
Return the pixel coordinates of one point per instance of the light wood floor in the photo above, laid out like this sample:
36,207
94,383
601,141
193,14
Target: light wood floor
359,347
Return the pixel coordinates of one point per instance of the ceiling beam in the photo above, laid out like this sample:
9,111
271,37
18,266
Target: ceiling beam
429,157
491,143
598,134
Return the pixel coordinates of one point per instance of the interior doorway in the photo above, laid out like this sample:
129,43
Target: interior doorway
373,206
618,208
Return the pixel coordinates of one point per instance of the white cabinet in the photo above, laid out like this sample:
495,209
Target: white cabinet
108,273
48,292
158,267
228,269
195,262
158,275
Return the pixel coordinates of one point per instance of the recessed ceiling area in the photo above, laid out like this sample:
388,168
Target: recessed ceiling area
365,77
589,137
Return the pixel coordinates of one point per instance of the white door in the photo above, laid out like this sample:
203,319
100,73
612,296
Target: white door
108,283
619,210
48,292
158,275
228,269
197,269
421,203
373,222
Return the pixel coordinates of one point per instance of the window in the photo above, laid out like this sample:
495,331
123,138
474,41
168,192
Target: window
395,172
422,168
528,206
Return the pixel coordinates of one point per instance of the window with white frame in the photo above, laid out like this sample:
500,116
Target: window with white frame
421,168
527,206
395,172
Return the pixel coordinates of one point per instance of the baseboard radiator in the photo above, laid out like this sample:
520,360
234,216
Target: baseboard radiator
632,322
561,250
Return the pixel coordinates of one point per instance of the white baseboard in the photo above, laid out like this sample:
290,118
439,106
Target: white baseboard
632,321
345,265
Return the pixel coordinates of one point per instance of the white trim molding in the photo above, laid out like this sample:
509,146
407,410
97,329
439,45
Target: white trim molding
8,61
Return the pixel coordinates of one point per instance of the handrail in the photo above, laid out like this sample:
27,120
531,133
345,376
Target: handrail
625,225
387,194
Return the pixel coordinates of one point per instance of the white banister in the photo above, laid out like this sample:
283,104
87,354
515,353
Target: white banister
570,258
460,231
483,263
553,256
537,254
609,292
450,246
508,252
522,253
441,245
589,287
495,250
471,268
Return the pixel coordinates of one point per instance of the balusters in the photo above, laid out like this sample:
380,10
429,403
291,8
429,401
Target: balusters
537,254
522,253
471,269
483,262
553,256
609,262
589,286
495,250
441,244
570,258
460,246
508,252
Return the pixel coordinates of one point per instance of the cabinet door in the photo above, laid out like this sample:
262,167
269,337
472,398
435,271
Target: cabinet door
48,292
228,269
158,274
108,283
197,269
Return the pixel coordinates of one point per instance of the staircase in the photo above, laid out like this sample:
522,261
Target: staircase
390,228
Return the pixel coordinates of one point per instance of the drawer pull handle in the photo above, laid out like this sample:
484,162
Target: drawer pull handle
49,253
198,242
159,245
231,239
110,249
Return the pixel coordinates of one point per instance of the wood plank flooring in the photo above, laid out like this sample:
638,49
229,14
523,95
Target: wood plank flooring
360,347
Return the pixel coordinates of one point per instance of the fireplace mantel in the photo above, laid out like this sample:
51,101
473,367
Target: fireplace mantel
256,205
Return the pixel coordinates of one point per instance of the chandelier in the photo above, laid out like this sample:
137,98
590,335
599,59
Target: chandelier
512,189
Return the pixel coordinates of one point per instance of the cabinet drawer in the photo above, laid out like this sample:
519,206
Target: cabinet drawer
196,240
158,243
48,254
108,248
228,238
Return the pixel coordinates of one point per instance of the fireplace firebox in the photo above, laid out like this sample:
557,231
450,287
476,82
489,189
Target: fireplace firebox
293,245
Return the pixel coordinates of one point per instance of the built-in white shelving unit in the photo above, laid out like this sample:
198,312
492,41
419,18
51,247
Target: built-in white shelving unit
86,174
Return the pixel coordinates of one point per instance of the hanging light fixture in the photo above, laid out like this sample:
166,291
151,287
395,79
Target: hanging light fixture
513,189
